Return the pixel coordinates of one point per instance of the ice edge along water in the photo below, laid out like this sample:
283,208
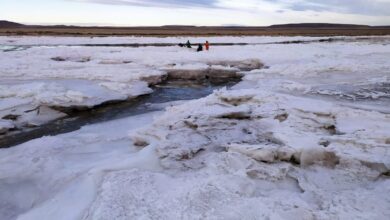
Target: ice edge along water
266,149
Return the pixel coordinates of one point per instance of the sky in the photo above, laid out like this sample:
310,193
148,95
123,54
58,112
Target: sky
195,12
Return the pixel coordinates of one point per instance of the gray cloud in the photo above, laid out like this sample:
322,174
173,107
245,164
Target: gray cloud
156,3
361,7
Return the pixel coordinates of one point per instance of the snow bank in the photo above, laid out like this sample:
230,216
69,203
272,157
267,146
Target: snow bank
310,151
55,178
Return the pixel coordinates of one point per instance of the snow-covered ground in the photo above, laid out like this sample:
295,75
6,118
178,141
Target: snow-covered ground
44,40
79,77
306,137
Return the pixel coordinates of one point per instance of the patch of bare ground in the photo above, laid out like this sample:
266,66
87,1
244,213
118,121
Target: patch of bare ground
193,31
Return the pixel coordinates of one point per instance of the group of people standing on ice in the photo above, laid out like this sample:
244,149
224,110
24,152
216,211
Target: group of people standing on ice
200,46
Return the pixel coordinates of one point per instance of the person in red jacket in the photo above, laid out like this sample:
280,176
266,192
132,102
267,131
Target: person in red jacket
207,45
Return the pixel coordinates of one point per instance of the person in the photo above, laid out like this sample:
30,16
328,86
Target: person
200,48
207,45
188,44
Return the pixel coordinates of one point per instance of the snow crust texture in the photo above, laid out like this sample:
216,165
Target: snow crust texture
74,77
306,136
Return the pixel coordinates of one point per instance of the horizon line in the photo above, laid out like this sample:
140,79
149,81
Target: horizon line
86,25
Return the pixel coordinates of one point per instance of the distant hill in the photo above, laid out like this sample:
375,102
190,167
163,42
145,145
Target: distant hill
178,26
318,25
303,29
9,24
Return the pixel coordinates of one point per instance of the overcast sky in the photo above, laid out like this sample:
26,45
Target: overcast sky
195,12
